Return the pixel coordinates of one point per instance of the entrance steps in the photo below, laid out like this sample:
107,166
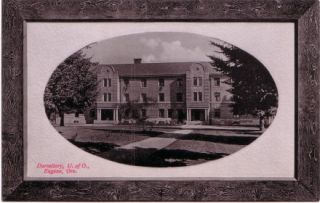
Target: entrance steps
103,122
194,122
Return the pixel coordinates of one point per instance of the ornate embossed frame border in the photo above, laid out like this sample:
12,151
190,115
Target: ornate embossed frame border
305,15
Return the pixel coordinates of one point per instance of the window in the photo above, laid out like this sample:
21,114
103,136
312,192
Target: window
197,81
195,96
161,97
144,97
217,96
217,113
106,82
181,115
161,113
179,82
127,113
143,113
107,97
179,97
200,96
170,113
161,82
126,97
143,83
216,81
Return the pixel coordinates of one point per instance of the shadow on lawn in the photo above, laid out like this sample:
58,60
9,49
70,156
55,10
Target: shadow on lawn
165,158
150,157
95,148
158,157
237,140
138,132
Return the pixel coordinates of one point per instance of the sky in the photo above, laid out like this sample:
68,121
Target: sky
152,47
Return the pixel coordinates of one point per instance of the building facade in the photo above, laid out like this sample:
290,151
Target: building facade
186,91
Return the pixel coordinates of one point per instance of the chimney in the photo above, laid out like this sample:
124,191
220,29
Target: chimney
137,60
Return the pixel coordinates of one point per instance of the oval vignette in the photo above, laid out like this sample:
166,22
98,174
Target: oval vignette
161,99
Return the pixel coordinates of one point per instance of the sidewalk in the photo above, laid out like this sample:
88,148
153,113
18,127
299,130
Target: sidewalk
153,142
209,127
188,127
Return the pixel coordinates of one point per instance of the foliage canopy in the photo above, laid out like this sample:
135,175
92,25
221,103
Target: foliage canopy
72,87
253,89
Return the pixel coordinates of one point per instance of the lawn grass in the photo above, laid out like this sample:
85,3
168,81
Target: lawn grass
188,149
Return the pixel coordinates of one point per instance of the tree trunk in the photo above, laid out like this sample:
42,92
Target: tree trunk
269,120
61,119
261,123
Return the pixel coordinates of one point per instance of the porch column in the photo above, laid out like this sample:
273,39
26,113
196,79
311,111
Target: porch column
116,115
206,114
99,114
188,114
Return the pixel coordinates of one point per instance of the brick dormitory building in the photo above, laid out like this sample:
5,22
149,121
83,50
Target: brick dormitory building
188,91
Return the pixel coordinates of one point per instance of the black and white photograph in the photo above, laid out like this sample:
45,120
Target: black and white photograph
173,100
161,99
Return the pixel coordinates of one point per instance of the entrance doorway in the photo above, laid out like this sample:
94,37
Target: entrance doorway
181,115
197,115
107,114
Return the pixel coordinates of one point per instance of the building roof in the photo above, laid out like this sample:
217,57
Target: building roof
156,69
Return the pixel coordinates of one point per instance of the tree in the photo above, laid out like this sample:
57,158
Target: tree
132,110
253,89
72,87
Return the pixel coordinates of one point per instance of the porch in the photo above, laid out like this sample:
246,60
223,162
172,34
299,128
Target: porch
197,115
107,116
